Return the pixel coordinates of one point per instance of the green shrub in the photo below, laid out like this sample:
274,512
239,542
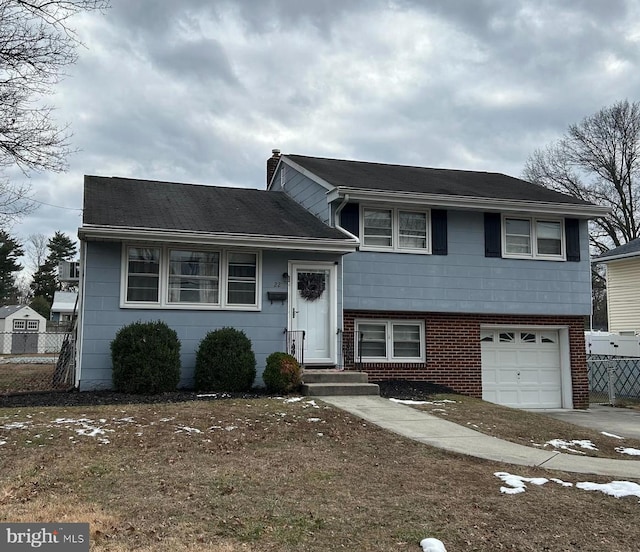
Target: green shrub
225,361
282,373
146,358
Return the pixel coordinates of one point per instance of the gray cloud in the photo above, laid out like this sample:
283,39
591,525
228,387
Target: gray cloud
201,91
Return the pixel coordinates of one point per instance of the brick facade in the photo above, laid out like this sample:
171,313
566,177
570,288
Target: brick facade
453,356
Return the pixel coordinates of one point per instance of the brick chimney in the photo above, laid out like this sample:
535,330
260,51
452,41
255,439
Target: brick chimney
272,163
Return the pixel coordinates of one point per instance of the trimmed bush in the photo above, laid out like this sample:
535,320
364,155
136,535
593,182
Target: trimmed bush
282,373
225,361
146,358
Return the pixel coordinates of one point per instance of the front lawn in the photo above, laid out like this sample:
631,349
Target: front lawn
271,474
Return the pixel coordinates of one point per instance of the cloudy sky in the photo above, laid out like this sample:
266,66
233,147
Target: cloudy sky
201,91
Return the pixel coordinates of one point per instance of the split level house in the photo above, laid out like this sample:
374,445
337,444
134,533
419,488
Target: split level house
474,280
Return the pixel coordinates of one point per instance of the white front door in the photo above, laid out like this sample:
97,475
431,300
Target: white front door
312,309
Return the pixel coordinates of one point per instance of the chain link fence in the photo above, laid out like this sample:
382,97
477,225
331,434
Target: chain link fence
36,361
613,379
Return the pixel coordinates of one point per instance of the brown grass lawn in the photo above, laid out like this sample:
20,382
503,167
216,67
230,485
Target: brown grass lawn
525,428
26,377
262,474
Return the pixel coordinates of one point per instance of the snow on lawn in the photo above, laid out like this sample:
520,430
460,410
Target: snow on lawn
99,429
567,445
630,451
409,401
517,484
607,434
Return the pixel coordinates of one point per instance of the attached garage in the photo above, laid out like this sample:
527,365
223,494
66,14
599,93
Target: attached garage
524,368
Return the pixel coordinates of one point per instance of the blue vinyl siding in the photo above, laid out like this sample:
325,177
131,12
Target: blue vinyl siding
103,317
306,192
465,281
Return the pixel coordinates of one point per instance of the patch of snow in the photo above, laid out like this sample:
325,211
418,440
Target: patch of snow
617,489
516,483
15,425
560,482
566,445
409,401
611,435
167,419
432,545
187,429
293,400
629,451
310,403
3,442
314,420
214,395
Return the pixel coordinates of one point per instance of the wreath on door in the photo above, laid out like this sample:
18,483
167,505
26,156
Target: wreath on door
311,285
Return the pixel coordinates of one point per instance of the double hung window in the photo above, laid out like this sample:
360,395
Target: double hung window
533,238
395,229
390,341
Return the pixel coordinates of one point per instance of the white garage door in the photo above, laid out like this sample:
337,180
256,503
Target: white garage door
521,368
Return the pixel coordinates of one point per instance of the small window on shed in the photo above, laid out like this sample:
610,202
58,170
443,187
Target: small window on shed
32,324
19,324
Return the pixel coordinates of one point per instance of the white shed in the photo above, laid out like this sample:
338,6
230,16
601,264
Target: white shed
23,330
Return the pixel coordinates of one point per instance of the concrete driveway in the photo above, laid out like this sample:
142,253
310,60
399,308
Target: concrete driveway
624,422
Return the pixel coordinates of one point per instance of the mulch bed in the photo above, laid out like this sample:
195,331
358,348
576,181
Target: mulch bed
399,389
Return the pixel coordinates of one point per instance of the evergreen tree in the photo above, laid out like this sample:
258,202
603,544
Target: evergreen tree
61,248
45,281
10,252
41,306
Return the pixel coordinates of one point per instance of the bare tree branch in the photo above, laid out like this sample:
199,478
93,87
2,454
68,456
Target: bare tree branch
36,45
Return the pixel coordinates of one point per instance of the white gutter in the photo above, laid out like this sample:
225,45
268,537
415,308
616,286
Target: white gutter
119,233
467,202
337,217
620,257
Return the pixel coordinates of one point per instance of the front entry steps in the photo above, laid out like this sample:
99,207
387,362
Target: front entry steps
327,383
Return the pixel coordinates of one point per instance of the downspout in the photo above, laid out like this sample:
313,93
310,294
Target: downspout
80,318
337,225
337,217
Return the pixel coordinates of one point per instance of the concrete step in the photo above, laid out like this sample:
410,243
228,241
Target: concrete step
339,389
333,376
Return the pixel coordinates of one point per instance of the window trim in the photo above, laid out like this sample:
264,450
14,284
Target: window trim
533,225
395,230
163,280
19,322
389,324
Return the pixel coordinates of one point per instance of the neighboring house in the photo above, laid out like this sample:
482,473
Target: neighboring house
64,306
478,281
22,330
623,286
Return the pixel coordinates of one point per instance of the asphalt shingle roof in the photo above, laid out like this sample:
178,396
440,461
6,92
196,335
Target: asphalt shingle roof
628,249
401,178
131,203
8,310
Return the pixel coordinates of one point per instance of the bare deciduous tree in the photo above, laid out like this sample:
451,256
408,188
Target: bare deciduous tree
36,44
36,249
598,160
